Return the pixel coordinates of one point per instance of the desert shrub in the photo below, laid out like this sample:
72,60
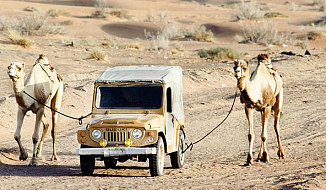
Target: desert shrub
98,54
263,32
220,53
274,14
36,24
202,35
58,12
158,42
137,46
101,7
31,9
120,14
320,4
247,11
66,23
18,39
314,35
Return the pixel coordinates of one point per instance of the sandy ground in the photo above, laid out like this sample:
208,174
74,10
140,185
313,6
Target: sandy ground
209,87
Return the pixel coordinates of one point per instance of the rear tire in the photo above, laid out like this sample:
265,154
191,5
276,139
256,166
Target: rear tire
87,164
178,158
156,161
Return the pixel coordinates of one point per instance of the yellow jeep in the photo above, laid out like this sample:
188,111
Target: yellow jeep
137,114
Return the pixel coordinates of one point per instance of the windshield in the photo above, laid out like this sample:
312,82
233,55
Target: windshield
129,97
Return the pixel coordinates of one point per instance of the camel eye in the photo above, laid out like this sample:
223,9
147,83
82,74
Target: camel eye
19,69
244,69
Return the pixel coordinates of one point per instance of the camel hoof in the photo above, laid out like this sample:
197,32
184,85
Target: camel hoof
249,160
281,154
33,162
264,158
23,156
54,158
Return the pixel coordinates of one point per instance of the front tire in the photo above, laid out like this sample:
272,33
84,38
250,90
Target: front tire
178,158
156,161
87,164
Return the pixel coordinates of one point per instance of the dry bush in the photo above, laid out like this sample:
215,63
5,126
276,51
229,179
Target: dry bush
98,54
263,32
220,53
320,4
274,15
158,42
202,35
18,39
101,7
36,24
314,35
247,11
120,14
58,12
31,9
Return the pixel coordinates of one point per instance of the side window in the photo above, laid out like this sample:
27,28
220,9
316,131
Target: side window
169,100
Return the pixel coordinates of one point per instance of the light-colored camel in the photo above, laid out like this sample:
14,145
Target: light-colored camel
44,84
263,91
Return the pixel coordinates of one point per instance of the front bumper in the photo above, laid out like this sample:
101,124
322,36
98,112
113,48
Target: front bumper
115,151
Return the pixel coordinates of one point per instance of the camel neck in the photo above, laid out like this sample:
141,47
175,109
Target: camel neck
18,86
243,83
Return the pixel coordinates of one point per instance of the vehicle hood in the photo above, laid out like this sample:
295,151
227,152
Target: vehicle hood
147,121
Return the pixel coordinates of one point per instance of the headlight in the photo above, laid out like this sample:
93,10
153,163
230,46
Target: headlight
96,134
137,133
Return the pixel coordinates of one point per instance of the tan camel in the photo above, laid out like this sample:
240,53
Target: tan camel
263,91
46,86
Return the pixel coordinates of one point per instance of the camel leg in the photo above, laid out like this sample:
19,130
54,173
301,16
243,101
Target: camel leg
251,135
277,112
56,104
20,118
263,155
35,137
45,130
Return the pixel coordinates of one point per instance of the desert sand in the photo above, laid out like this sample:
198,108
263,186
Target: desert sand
209,87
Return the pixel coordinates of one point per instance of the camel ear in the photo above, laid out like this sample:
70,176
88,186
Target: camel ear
23,64
247,62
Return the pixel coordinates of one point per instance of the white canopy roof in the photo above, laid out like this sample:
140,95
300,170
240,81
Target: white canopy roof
143,73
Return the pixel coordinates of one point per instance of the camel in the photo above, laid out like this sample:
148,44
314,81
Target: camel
263,91
45,85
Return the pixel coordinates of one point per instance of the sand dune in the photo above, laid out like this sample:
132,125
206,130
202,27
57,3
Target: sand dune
130,30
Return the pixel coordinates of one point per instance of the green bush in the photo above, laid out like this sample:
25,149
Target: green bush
220,53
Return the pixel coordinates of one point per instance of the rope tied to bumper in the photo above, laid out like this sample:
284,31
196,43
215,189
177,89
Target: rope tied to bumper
80,119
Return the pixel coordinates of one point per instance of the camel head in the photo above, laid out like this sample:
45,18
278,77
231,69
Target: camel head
241,69
16,71
42,60
265,59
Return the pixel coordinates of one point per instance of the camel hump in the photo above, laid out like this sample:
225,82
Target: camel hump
43,60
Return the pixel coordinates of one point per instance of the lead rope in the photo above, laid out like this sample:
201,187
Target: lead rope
80,119
191,145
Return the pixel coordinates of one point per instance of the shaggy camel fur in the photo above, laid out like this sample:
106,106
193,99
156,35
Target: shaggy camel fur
45,85
263,91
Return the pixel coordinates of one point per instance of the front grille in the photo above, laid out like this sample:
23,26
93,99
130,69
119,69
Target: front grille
116,136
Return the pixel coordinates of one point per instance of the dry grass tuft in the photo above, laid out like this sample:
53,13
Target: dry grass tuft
274,15
220,53
120,14
18,39
314,35
98,54
58,12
